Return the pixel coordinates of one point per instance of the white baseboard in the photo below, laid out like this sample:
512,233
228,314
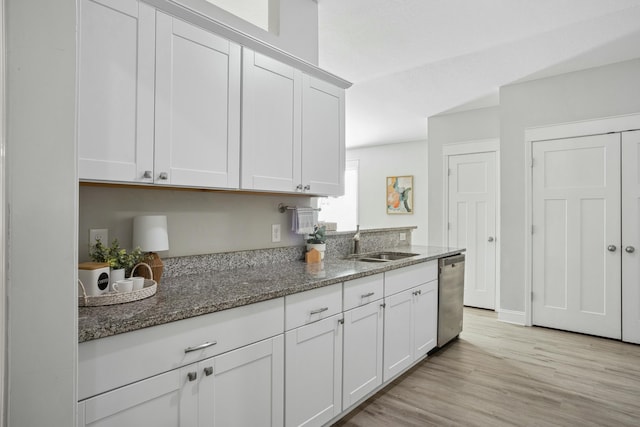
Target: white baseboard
511,316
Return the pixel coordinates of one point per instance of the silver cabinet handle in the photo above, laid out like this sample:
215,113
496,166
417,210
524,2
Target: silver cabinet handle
163,176
418,292
318,311
367,295
611,248
490,239
383,305
299,187
147,174
200,347
208,370
307,187
192,376
630,249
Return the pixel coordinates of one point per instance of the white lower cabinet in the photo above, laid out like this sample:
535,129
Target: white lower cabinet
245,388
214,392
313,372
410,327
362,355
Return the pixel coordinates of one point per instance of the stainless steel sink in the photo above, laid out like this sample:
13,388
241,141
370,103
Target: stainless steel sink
381,256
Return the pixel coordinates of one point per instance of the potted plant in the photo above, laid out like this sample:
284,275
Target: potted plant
118,259
317,240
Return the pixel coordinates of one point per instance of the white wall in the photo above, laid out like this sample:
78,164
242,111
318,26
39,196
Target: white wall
42,212
483,123
375,165
198,222
598,92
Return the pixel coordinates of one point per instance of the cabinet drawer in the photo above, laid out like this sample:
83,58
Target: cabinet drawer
108,363
362,291
311,306
407,277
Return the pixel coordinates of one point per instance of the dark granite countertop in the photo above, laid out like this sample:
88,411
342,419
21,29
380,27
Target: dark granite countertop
193,295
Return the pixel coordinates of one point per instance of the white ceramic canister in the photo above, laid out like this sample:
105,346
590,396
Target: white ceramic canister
94,277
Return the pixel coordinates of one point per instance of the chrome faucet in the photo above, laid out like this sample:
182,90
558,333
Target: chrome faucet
356,241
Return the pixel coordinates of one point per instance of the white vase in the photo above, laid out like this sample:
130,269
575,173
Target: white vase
320,247
116,274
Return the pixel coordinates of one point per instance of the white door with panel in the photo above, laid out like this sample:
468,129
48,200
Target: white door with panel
472,223
313,372
244,387
323,149
115,90
362,372
271,124
576,265
197,127
165,400
631,236
410,327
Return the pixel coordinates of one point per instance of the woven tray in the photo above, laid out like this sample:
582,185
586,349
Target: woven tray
149,289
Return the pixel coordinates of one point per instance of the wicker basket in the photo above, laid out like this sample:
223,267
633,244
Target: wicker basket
149,289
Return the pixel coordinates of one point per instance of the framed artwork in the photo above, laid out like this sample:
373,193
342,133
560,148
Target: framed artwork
399,195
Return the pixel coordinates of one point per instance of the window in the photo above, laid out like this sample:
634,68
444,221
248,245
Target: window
343,210
254,11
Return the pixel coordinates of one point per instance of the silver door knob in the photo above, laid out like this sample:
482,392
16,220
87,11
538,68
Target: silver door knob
163,175
147,174
299,187
192,376
307,187
611,248
630,249
490,239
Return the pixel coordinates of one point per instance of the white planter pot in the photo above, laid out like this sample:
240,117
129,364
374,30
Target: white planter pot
320,247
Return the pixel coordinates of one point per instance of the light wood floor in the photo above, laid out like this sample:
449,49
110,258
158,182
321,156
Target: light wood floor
497,374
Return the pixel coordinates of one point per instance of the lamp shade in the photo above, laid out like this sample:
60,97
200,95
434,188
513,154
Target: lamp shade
150,233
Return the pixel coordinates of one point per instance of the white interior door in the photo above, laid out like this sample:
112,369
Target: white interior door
472,223
631,236
576,234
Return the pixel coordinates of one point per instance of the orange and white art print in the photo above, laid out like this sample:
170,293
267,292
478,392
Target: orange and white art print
400,194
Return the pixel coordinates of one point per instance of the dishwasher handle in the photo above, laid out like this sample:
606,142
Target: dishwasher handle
455,259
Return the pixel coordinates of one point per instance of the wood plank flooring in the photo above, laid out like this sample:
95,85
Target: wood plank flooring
497,374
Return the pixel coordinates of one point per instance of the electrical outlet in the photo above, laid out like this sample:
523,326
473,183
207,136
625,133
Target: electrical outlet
99,233
403,236
275,233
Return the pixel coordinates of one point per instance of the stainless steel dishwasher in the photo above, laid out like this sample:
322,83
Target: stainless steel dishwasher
450,297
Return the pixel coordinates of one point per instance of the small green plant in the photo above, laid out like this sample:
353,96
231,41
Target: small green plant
115,256
318,236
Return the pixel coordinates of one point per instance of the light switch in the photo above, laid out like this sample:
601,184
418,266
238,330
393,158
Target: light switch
275,233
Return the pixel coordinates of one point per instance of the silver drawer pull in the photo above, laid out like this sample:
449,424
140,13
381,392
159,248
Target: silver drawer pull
208,370
200,347
192,376
318,311
367,295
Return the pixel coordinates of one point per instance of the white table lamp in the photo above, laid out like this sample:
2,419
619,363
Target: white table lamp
150,234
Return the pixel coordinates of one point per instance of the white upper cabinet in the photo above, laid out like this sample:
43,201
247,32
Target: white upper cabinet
323,142
197,108
115,90
161,102
292,129
271,124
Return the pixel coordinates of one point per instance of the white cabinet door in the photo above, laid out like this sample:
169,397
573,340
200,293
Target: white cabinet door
197,107
576,261
271,124
631,236
362,353
323,145
425,318
244,387
115,90
398,334
166,400
313,373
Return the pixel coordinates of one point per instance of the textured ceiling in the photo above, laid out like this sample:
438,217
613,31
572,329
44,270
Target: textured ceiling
411,59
